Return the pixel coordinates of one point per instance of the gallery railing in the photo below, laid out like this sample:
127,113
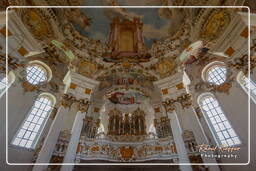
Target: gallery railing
104,149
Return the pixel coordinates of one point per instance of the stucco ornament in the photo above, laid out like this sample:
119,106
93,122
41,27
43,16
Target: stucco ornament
83,105
36,20
67,100
185,100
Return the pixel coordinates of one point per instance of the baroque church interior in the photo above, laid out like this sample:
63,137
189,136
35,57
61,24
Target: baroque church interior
169,87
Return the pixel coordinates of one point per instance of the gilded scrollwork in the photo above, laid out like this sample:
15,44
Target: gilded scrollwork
169,105
13,63
83,105
185,100
203,86
240,64
38,22
125,152
67,100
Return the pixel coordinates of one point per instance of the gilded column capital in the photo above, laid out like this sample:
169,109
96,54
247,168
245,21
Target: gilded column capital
185,100
83,105
169,105
67,100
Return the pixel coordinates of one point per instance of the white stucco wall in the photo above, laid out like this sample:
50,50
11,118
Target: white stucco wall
18,107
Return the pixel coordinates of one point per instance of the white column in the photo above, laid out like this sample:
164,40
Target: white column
195,126
200,137
179,143
51,139
73,143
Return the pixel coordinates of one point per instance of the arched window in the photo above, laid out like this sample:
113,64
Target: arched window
32,126
221,128
215,73
247,84
5,83
37,72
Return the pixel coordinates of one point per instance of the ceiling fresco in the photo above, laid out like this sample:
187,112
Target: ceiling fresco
125,47
96,25
126,97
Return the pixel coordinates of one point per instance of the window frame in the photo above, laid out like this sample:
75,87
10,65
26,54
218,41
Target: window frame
10,78
209,67
248,91
210,123
44,67
42,126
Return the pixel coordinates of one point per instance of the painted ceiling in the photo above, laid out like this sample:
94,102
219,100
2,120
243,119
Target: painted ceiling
156,22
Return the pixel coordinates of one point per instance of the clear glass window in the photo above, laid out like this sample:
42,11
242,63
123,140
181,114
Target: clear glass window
216,74
36,74
250,86
3,84
6,82
31,128
218,122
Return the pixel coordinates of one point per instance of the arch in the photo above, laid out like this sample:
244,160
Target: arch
38,72
33,125
215,73
49,96
217,121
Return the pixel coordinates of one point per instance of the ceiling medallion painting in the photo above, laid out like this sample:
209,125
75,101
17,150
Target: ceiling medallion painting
126,97
217,22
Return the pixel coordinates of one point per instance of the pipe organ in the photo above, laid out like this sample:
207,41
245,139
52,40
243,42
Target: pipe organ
90,127
127,123
163,127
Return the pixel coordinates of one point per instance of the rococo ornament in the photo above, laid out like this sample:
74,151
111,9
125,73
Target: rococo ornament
67,100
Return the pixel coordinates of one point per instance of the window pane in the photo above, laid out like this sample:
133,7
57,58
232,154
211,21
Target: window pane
218,122
250,86
36,74
32,126
3,83
217,75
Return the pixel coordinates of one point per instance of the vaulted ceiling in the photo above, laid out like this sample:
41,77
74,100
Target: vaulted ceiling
78,38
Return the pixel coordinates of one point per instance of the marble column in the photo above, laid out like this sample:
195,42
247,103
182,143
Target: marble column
51,139
73,143
199,134
180,145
